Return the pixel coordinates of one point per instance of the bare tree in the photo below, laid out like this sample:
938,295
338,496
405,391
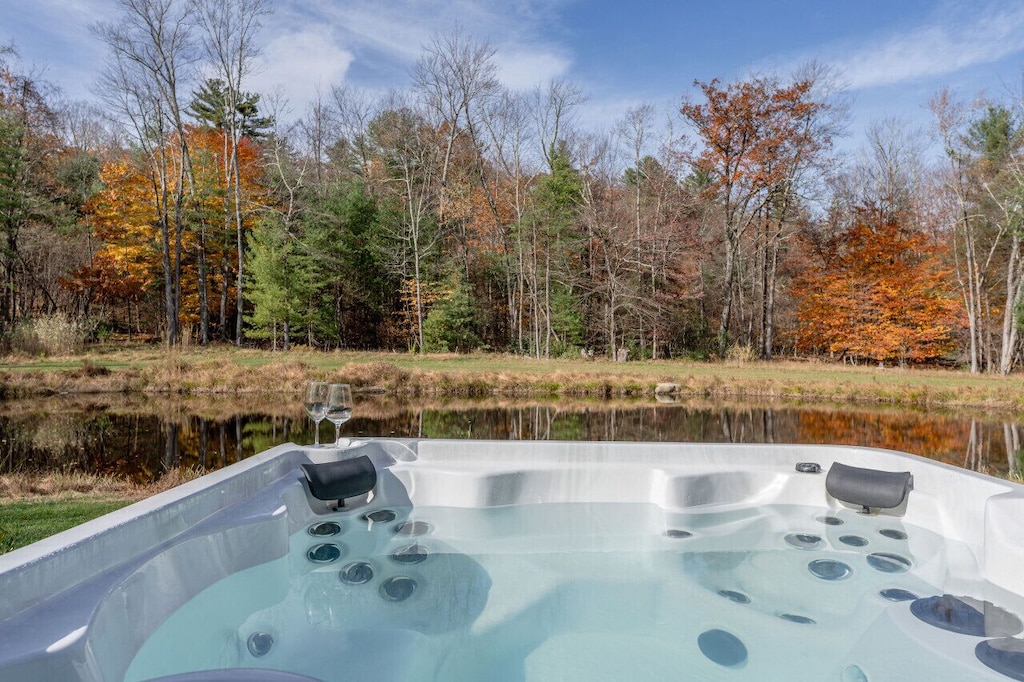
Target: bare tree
634,130
455,77
983,185
1007,197
972,263
86,127
317,129
507,121
411,151
612,283
555,109
352,110
891,167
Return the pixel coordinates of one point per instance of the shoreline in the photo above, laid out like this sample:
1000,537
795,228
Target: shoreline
227,371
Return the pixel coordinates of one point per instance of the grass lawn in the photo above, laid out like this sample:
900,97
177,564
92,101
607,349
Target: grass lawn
25,522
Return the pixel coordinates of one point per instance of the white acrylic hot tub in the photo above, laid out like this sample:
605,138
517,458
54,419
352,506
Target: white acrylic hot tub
530,561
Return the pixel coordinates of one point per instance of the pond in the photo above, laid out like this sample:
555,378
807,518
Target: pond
143,437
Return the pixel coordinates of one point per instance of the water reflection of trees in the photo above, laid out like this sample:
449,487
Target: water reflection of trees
144,436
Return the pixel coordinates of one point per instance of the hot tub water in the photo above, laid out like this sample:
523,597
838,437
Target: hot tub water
588,591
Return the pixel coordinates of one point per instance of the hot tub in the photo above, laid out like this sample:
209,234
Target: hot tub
476,560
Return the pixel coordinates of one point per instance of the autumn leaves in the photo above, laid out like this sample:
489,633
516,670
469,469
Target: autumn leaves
125,219
880,293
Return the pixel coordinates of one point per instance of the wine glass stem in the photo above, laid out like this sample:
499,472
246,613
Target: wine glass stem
316,432
337,434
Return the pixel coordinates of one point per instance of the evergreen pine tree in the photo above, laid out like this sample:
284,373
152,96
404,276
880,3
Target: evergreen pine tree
451,324
284,281
210,107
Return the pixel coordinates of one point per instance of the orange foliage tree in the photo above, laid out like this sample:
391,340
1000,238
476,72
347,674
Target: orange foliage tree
125,220
881,293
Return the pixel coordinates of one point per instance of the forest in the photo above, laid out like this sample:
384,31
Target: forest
456,215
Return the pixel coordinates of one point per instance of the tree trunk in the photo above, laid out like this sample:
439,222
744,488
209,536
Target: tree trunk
204,297
768,307
1014,278
419,296
547,303
240,245
731,249
971,294
170,306
225,275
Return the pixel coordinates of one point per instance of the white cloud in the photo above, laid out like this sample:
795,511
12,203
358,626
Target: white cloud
521,70
955,41
399,35
300,62
398,30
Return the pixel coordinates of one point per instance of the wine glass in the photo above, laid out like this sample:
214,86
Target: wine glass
315,402
339,408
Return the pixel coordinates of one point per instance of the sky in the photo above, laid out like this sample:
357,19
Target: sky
893,55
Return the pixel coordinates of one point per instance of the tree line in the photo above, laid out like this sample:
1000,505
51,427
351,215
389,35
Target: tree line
456,214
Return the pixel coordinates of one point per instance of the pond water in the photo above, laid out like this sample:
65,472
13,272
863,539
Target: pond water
143,437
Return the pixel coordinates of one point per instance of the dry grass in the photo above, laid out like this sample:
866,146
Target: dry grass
16,487
53,335
230,371
23,486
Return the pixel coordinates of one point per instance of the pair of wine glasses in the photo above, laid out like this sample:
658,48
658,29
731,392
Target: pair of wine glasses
332,402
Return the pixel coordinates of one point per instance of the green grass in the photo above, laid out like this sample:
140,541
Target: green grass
22,523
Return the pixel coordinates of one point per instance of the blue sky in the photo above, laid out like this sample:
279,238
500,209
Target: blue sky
894,54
